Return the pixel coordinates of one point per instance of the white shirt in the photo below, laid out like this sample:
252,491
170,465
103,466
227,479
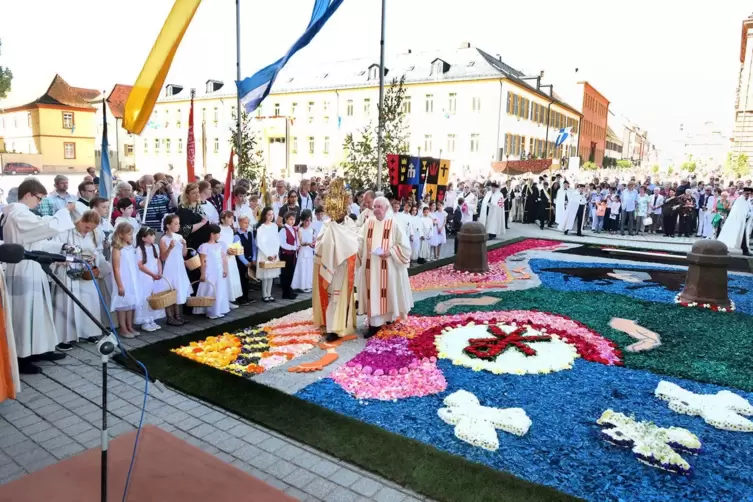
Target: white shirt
284,238
307,202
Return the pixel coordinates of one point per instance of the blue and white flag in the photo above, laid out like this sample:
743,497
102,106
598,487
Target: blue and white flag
254,89
562,137
105,173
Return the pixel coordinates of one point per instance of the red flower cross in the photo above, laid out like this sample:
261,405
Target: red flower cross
489,349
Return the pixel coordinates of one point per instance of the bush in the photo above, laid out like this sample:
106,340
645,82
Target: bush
655,168
624,164
689,166
590,166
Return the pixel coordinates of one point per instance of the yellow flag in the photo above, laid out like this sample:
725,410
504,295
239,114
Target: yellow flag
145,91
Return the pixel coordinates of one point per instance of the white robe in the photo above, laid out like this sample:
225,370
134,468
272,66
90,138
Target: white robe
568,220
559,205
364,216
28,287
472,200
738,224
70,321
425,229
493,213
384,295
268,244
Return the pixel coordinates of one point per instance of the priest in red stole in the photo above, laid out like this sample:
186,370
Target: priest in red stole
384,292
335,268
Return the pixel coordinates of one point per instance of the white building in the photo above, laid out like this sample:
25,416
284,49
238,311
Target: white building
636,146
743,131
461,104
706,145
614,145
121,143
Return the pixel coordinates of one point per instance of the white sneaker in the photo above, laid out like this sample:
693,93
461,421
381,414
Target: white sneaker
213,317
156,326
233,306
148,326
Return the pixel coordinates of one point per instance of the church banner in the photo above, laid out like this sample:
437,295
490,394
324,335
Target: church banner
418,176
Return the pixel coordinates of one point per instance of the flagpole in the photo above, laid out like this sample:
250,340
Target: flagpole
238,75
380,129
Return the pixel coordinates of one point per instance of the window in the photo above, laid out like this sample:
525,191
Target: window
232,113
69,149
427,143
325,106
437,67
203,114
180,145
325,119
295,144
476,104
146,147
349,108
167,146
374,72
167,118
68,121
311,108
216,145
452,106
450,143
128,150
311,144
474,143
277,109
28,119
429,103
177,118
516,105
326,145
292,109
259,111
156,146
406,105
366,106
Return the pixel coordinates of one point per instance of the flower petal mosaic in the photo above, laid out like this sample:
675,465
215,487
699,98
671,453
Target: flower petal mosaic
577,372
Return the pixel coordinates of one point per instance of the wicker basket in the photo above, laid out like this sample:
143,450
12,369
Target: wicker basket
193,262
201,301
167,298
235,251
272,264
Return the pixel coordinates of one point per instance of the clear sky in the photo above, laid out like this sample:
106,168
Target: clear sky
659,62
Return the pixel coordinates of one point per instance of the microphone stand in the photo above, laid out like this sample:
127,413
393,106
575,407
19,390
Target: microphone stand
105,347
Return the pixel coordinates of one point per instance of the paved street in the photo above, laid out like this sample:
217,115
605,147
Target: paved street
57,415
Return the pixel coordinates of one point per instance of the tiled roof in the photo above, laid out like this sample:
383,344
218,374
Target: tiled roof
117,99
611,136
87,94
60,93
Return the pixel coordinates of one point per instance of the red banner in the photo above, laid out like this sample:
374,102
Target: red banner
230,184
191,149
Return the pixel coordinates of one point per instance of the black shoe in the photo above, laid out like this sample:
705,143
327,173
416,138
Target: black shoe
331,337
566,231
373,330
26,367
579,235
49,356
91,339
64,347
747,253
290,296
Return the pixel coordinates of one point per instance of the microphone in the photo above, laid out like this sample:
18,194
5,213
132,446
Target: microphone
15,253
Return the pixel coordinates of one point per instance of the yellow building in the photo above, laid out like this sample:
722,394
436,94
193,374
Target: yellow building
58,128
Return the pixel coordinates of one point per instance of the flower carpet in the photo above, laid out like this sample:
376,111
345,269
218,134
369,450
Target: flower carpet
589,380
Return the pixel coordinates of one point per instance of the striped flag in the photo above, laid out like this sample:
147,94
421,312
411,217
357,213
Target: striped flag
229,184
562,136
105,173
146,90
252,90
190,148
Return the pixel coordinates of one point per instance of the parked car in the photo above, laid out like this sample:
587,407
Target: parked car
19,168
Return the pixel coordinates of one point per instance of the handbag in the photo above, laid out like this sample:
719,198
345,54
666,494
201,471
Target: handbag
648,221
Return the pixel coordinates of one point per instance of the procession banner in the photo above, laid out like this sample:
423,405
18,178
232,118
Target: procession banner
413,177
422,174
444,177
404,187
393,167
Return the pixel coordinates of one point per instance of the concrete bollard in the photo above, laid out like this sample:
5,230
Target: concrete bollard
472,254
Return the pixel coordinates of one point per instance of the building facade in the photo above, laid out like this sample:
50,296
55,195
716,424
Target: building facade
460,104
58,126
613,150
636,146
121,142
593,137
742,141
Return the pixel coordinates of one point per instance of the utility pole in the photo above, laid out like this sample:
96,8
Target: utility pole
380,128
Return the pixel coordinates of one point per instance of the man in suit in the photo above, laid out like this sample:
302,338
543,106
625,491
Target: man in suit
247,261
507,194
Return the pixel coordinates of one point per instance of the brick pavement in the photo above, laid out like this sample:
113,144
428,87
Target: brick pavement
58,413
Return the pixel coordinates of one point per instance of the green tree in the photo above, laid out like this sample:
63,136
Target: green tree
689,166
360,165
250,156
737,165
624,164
590,166
655,168
6,76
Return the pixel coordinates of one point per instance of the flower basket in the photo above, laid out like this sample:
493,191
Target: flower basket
193,262
235,251
201,301
167,298
272,264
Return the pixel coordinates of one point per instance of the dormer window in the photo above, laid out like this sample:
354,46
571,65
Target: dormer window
439,67
214,86
374,72
173,90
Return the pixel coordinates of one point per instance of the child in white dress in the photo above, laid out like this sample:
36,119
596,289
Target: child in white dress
303,276
318,222
150,279
173,250
439,232
125,286
227,237
425,229
125,206
214,271
415,243
268,246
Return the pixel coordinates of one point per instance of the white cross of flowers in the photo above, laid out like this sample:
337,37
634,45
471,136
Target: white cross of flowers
477,425
722,410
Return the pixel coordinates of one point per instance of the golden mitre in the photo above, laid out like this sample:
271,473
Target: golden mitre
336,203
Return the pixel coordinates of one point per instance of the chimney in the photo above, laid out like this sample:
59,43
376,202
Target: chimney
465,45
499,57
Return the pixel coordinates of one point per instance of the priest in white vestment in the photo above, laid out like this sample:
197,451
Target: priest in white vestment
493,212
574,198
737,227
559,203
384,292
28,286
366,211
